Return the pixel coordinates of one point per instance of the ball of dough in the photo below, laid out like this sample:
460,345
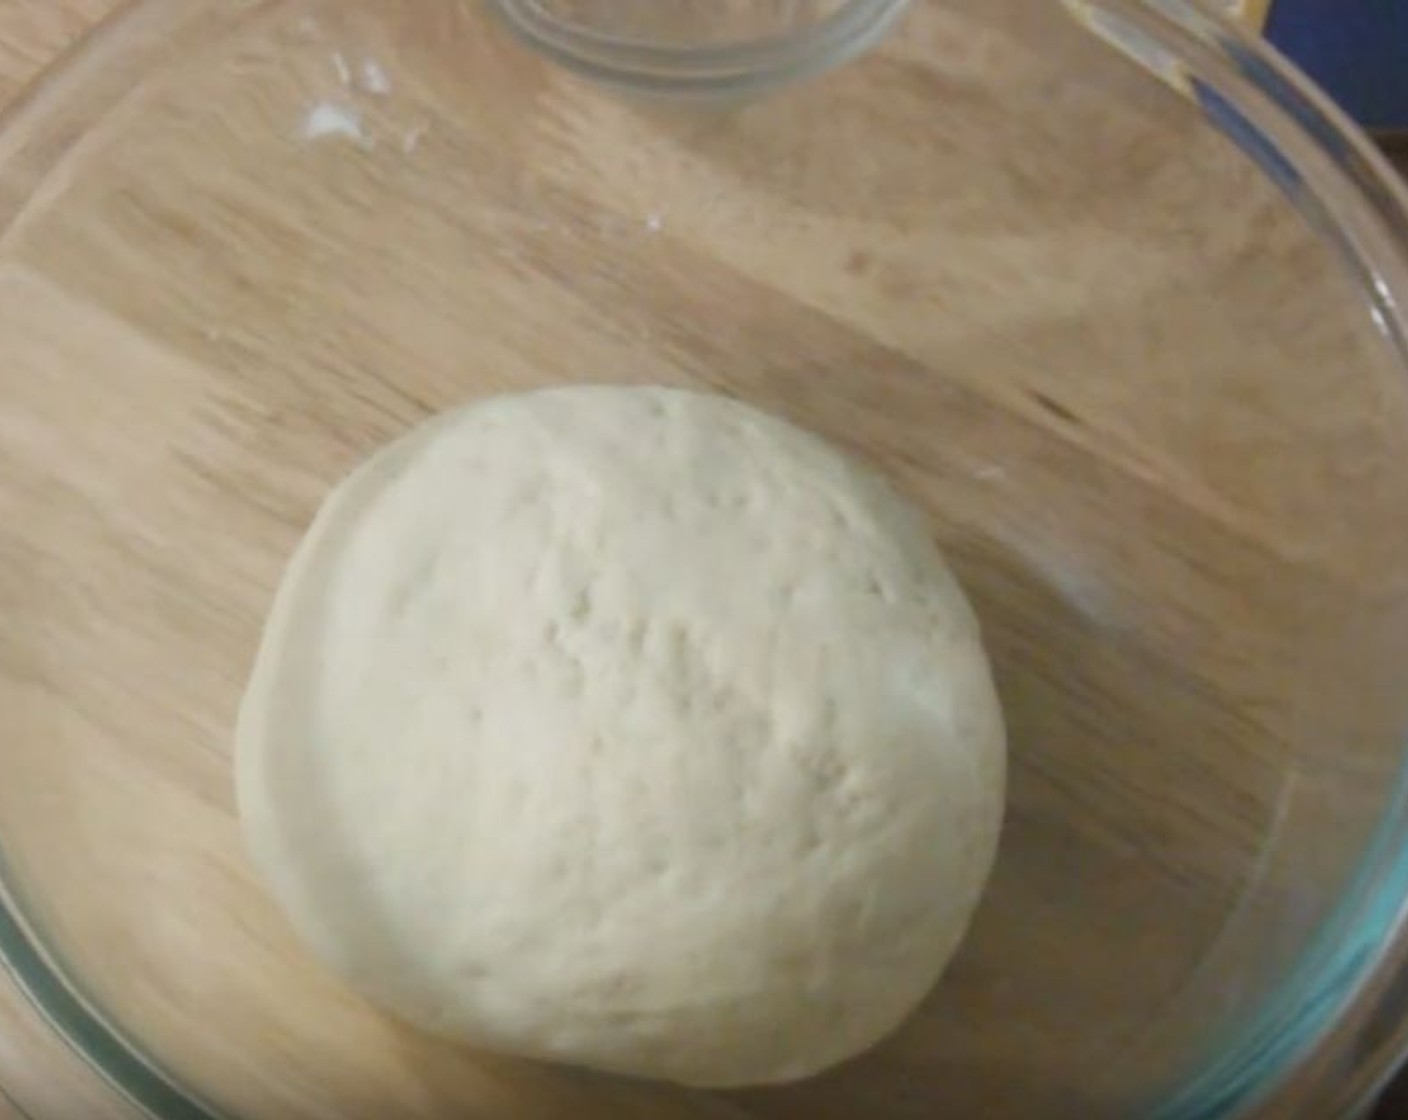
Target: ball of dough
627,727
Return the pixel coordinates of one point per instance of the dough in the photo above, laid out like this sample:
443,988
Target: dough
627,727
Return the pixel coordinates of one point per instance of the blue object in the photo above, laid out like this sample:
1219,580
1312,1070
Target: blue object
1357,50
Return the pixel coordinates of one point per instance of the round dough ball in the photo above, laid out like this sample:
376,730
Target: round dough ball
626,727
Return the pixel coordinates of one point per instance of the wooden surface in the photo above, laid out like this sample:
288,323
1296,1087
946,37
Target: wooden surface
34,32
1154,432
37,1072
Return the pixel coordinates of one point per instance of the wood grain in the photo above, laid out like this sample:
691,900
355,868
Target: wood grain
33,33
1143,406
40,1077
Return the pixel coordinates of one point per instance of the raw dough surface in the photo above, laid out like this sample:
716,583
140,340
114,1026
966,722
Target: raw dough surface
632,728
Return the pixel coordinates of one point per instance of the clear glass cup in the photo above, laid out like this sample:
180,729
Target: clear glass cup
1102,286
700,47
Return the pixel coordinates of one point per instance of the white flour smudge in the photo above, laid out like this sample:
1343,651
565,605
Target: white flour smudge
344,72
327,119
373,78
413,137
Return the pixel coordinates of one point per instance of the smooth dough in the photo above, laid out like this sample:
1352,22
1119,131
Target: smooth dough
627,727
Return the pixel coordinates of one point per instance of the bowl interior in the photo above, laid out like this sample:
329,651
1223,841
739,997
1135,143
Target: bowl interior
1149,412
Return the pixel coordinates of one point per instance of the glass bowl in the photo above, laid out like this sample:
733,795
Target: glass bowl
1102,286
